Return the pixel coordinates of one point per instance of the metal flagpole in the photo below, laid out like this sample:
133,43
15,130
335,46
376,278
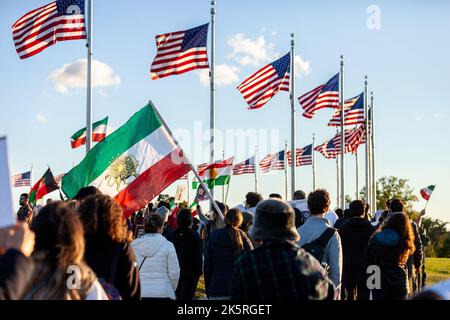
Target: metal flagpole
292,82
372,135
338,181
256,169
313,163
341,97
366,114
357,175
188,162
212,118
90,36
285,170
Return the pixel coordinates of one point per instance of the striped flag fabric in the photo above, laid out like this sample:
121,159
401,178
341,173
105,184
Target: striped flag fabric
179,52
245,167
44,186
21,179
264,84
41,28
426,192
274,161
324,96
216,174
328,149
354,112
353,138
99,132
202,167
133,165
303,156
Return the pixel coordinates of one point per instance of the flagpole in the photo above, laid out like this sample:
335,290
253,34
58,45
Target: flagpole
372,135
213,89
285,171
338,186
189,163
223,186
256,164
357,174
366,113
341,97
313,163
292,82
89,76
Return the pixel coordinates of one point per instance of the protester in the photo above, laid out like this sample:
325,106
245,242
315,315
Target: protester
317,227
251,201
389,249
85,192
163,212
332,217
300,206
278,269
58,257
108,251
16,266
25,212
213,223
275,196
345,215
224,246
355,235
157,261
188,246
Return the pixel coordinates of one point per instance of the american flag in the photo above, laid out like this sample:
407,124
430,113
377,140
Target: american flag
247,166
274,161
303,156
324,96
21,179
40,28
179,52
58,178
354,112
353,138
264,84
328,149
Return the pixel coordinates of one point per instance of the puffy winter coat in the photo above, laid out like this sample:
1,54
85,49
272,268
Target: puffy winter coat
158,266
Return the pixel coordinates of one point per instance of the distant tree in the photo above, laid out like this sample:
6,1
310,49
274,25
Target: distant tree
439,238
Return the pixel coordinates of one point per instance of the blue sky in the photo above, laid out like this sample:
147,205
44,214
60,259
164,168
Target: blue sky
406,61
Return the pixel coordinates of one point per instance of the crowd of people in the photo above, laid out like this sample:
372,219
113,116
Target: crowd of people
84,249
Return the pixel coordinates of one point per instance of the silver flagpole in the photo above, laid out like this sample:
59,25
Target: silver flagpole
212,119
357,175
313,163
285,170
366,114
256,169
90,37
292,82
188,162
341,97
338,182
372,131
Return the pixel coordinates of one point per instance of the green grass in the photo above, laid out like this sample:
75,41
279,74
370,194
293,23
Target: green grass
438,269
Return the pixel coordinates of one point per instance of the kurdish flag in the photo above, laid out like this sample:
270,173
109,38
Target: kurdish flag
44,186
216,174
99,130
426,192
133,164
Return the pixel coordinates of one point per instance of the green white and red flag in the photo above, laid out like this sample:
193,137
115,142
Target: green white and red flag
44,186
99,132
426,192
134,164
216,174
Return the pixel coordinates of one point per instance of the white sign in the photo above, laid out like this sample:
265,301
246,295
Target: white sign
180,196
7,217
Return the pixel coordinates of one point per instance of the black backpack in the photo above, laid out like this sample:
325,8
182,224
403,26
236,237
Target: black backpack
317,247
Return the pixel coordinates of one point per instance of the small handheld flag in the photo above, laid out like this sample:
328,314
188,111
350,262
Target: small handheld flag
426,192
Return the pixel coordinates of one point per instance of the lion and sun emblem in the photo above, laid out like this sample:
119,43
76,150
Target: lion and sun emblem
121,169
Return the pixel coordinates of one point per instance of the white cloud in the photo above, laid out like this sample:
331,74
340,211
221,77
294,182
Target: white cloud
73,75
248,51
225,75
41,118
302,67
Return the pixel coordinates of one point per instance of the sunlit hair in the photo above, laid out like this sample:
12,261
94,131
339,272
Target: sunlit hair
234,219
100,214
401,223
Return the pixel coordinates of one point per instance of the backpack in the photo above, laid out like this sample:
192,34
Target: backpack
110,290
316,248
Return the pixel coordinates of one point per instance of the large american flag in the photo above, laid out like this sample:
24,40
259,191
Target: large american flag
40,28
354,112
179,52
264,84
324,96
328,149
303,156
21,179
244,167
274,161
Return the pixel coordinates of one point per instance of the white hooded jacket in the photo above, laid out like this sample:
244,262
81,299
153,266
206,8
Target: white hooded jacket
160,271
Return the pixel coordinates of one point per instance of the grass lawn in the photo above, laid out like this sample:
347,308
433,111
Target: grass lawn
438,269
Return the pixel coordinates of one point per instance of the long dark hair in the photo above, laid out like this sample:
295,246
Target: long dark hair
234,219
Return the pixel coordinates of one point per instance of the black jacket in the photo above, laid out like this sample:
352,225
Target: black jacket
114,262
219,262
355,235
415,260
16,272
188,246
382,252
